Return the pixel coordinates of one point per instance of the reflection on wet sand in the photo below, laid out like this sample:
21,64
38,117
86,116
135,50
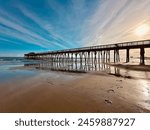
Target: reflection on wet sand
116,70
76,68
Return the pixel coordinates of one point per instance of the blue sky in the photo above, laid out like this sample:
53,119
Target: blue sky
42,25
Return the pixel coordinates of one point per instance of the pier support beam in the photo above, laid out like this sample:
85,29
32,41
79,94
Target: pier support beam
116,56
95,59
88,57
142,58
107,56
127,55
76,58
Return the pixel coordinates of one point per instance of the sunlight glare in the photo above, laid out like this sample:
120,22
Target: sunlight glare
142,30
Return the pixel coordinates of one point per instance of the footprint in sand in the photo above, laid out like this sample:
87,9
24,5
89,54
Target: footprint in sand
119,80
50,83
119,87
148,90
108,101
110,91
147,101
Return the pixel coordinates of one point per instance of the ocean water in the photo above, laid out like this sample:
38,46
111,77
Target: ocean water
7,72
15,61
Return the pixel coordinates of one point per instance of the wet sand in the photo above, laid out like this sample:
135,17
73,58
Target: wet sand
133,67
69,92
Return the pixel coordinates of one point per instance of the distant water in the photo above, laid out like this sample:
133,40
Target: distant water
6,73
15,61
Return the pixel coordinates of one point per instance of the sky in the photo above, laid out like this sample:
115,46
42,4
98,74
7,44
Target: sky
44,25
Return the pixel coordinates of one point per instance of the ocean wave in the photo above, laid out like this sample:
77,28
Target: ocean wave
15,61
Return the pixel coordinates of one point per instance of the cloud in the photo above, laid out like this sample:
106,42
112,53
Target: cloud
115,21
71,18
46,26
19,28
68,24
23,31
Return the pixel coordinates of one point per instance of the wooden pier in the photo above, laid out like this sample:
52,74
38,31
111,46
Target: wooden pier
93,54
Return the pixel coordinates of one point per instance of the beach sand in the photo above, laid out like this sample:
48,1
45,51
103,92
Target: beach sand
69,92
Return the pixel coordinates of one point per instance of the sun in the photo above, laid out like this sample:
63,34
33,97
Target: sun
142,30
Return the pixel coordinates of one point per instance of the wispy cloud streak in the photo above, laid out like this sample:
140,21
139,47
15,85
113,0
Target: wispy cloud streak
115,21
58,24
46,26
22,31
